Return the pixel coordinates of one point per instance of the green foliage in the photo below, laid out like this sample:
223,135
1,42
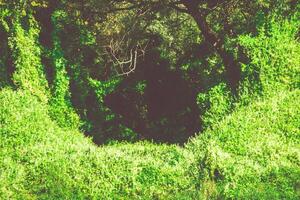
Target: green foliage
216,103
103,88
177,31
254,152
4,79
39,160
249,148
61,109
26,54
275,54
116,131
140,87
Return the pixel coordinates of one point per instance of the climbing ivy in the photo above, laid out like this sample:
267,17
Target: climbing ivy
60,103
26,52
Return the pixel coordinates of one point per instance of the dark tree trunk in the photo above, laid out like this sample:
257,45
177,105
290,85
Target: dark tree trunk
232,68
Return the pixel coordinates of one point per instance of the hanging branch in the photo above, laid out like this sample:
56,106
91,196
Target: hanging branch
125,66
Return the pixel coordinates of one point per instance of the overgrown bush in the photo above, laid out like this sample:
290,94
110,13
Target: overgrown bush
274,54
61,108
216,103
249,149
254,152
29,74
39,160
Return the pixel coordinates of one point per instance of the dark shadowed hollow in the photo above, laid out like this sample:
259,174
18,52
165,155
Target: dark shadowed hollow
166,111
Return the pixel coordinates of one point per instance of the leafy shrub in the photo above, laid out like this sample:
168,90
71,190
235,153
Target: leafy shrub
275,54
42,161
254,152
216,103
